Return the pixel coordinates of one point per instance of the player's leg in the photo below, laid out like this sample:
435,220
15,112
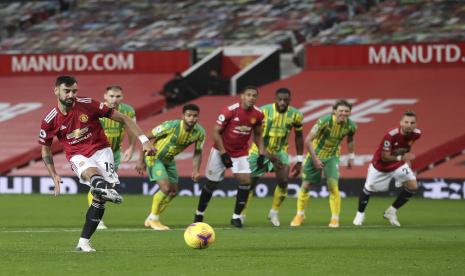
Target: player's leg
331,171
94,213
241,170
91,172
280,192
255,175
157,173
310,175
405,178
117,157
376,181
214,173
253,185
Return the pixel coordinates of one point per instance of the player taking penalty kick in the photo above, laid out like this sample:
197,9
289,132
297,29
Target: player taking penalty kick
323,145
115,131
171,138
392,160
75,122
279,120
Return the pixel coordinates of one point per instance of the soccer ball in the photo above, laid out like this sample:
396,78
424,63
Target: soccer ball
199,235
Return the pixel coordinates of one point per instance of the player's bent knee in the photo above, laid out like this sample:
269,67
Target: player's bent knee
211,185
411,185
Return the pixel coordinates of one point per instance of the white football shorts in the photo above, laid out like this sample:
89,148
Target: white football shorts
379,181
102,159
215,167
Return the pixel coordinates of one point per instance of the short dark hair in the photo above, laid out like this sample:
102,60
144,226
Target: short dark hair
114,87
191,107
283,90
66,80
249,87
343,103
410,113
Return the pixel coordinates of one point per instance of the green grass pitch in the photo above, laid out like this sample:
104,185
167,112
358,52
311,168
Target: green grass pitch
38,234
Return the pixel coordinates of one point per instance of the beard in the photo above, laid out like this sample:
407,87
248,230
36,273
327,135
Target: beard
67,102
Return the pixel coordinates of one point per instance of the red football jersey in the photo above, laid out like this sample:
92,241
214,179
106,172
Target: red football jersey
397,144
79,131
238,124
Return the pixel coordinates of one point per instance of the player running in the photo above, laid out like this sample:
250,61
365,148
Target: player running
231,134
171,138
392,160
75,122
279,120
324,146
115,131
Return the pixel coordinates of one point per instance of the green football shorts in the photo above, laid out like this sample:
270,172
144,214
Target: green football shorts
268,166
313,175
160,170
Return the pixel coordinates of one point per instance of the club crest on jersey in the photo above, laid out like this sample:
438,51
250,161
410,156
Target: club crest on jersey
253,120
83,118
82,163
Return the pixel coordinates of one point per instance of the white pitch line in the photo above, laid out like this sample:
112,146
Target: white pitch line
319,227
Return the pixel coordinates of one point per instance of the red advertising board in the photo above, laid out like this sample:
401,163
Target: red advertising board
95,63
385,55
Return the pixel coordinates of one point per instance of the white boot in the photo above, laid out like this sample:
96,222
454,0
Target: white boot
359,219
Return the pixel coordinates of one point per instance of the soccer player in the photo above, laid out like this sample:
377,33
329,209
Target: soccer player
231,134
115,131
391,160
75,122
324,146
279,120
171,138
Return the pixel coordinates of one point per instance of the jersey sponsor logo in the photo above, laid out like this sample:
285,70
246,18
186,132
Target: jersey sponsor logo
62,127
236,119
83,118
77,133
242,130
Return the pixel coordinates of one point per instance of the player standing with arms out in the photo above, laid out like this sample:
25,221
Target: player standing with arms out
324,146
392,160
115,131
279,120
231,134
171,138
75,122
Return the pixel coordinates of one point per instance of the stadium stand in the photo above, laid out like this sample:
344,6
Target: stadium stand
394,21
162,25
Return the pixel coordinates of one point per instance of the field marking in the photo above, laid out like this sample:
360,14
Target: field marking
319,227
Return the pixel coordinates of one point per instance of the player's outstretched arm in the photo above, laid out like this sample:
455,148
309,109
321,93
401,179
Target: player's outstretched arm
135,129
47,157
